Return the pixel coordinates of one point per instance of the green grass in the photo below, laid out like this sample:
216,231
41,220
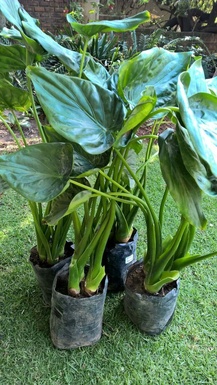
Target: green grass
184,354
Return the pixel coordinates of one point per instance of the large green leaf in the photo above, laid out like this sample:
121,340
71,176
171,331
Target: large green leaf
15,14
39,172
182,186
199,115
212,84
13,98
96,73
69,58
66,203
82,160
12,58
194,79
193,163
91,29
78,110
10,9
155,67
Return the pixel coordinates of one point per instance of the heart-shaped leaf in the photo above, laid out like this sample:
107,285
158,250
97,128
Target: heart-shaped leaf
78,110
39,172
194,79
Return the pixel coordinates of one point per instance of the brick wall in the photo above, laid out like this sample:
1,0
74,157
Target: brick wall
49,12
209,39
51,17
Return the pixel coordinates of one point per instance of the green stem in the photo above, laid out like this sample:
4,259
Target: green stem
83,57
29,87
162,205
11,132
114,196
19,128
77,228
155,274
59,236
41,239
38,123
96,272
150,211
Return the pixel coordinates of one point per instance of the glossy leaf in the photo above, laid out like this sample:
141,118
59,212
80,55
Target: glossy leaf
66,203
91,29
212,84
78,110
96,73
69,58
82,160
139,114
38,172
194,79
193,163
15,14
12,58
10,9
198,113
182,186
13,98
155,67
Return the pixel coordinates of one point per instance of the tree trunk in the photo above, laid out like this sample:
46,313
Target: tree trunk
91,10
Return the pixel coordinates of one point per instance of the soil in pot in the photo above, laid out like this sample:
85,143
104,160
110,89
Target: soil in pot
75,322
118,257
45,273
151,313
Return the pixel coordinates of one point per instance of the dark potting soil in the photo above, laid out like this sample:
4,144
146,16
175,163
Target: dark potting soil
34,256
135,282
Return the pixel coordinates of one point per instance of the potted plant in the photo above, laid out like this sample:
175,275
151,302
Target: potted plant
79,289
52,249
137,110
188,164
32,49
42,172
93,120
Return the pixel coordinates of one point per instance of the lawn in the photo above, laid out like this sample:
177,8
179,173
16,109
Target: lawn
185,354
